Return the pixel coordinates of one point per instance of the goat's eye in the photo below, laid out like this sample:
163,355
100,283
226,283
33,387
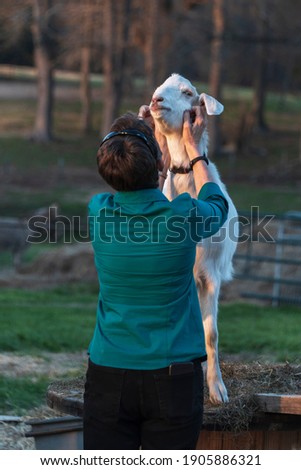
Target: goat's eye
187,92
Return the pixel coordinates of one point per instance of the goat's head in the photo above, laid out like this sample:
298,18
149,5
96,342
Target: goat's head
173,97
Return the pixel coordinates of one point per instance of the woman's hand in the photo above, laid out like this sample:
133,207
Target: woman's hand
145,114
194,124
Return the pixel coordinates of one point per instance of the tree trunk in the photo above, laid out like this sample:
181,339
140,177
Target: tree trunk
116,20
110,101
160,32
151,55
260,85
216,71
43,121
85,88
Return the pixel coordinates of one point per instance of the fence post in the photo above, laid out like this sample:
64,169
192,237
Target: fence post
277,267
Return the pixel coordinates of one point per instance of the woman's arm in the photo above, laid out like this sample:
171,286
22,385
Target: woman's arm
192,132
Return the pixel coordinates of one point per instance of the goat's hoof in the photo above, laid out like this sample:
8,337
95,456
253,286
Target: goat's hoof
218,400
218,396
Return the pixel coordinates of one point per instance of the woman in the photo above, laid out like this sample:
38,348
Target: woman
144,384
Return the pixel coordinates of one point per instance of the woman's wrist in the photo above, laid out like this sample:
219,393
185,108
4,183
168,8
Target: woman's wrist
192,152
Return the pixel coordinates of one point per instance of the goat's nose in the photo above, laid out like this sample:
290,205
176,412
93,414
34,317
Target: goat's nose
157,99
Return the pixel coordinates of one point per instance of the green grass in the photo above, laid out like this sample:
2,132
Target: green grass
19,395
24,155
62,320
32,322
71,201
261,330
57,320
269,199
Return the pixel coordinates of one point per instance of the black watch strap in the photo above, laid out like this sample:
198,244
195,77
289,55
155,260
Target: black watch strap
197,159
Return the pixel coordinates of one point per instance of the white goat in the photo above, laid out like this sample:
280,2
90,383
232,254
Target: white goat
213,263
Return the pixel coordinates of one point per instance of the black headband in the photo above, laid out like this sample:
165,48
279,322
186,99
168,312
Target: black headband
126,132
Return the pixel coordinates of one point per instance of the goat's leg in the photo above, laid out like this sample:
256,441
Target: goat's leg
208,296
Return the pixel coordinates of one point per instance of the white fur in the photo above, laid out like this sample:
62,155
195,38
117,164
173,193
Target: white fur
213,260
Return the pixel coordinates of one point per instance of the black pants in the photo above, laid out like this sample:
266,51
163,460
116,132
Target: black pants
132,409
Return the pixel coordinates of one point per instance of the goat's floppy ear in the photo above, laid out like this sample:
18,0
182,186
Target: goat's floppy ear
211,104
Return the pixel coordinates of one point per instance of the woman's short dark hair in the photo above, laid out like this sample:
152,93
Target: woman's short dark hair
126,162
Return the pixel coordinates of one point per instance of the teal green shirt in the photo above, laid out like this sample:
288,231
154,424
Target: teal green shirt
148,313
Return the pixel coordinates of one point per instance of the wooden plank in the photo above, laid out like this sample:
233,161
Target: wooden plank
290,241
70,404
258,439
276,403
10,419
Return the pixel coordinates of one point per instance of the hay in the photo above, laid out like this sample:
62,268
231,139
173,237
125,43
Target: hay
243,381
13,434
